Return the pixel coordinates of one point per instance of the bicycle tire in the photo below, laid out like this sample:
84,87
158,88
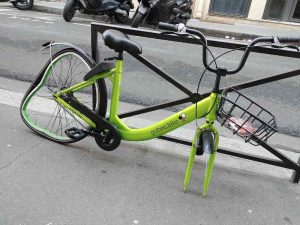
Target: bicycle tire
36,97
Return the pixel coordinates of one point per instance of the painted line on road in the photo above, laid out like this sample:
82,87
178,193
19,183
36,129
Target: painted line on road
43,18
6,14
33,20
80,24
5,10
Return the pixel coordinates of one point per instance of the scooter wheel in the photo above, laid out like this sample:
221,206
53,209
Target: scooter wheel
23,5
121,18
69,10
137,20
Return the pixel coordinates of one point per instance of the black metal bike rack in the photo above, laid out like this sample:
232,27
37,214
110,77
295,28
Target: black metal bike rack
284,161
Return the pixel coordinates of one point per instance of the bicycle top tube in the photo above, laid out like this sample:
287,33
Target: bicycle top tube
181,28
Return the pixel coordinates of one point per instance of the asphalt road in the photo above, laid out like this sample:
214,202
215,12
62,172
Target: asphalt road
23,32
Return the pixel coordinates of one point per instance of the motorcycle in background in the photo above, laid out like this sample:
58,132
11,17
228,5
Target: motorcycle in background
22,4
154,11
182,12
119,9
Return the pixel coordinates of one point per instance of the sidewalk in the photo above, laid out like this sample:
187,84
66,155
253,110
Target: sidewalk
217,27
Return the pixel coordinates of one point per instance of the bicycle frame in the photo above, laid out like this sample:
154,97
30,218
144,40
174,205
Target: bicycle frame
207,106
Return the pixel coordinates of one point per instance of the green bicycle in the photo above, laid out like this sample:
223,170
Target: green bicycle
68,101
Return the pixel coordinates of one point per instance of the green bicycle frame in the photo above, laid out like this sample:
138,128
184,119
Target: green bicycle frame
206,107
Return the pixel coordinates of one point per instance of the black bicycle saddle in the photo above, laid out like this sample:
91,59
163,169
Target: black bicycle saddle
120,42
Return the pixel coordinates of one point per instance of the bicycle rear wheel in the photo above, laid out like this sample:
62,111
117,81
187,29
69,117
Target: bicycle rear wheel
41,113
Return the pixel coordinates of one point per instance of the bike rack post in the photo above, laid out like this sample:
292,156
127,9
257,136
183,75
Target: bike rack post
284,161
296,174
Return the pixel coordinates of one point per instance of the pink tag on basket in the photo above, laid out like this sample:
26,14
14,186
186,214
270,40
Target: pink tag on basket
239,125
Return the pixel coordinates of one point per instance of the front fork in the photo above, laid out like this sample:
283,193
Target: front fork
212,155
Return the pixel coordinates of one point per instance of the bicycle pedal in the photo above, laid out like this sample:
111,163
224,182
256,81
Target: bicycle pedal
75,133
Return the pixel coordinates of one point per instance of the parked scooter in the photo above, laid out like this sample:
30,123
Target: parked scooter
155,11
22,4
181,12
119,9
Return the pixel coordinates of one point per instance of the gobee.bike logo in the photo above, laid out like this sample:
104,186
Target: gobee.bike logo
164,127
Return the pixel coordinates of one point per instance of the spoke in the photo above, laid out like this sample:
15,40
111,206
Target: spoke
60,74
69,71
44,96
72,75
80,62
54,121
61,67
40,114
66,118
75,75
51,91
59,122
53,77
51,117
72,115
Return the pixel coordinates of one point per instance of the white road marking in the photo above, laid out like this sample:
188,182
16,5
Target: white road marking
43,18
80,24
7,14
48,21
5,10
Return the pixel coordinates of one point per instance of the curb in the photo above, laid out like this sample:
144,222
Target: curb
222,34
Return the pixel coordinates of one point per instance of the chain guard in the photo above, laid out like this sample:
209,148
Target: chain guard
108,138
106,135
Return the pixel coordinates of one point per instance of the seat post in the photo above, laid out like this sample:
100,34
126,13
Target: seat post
114,106
120,56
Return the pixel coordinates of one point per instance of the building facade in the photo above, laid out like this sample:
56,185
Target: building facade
275,10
